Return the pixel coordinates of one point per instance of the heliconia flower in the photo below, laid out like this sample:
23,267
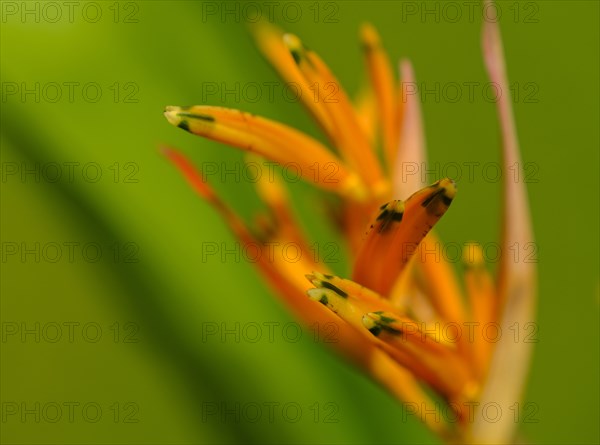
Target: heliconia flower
388,308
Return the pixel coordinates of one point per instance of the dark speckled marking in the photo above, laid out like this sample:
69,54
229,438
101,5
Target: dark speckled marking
324,300
437,202
383,324
387,217
336,289
296,55
383,318
447,201
184,125
375,330
432,197
202,117
383,215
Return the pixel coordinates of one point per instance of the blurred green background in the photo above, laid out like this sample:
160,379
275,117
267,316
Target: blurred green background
136,349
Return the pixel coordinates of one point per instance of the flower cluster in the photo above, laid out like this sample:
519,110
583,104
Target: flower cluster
388,309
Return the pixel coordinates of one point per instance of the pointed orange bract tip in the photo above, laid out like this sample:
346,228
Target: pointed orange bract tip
396,232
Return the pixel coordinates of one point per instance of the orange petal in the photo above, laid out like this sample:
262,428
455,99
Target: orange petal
440,280
270,139
428,359
351,302
396,233
382,79
379,364
404,339
442,288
